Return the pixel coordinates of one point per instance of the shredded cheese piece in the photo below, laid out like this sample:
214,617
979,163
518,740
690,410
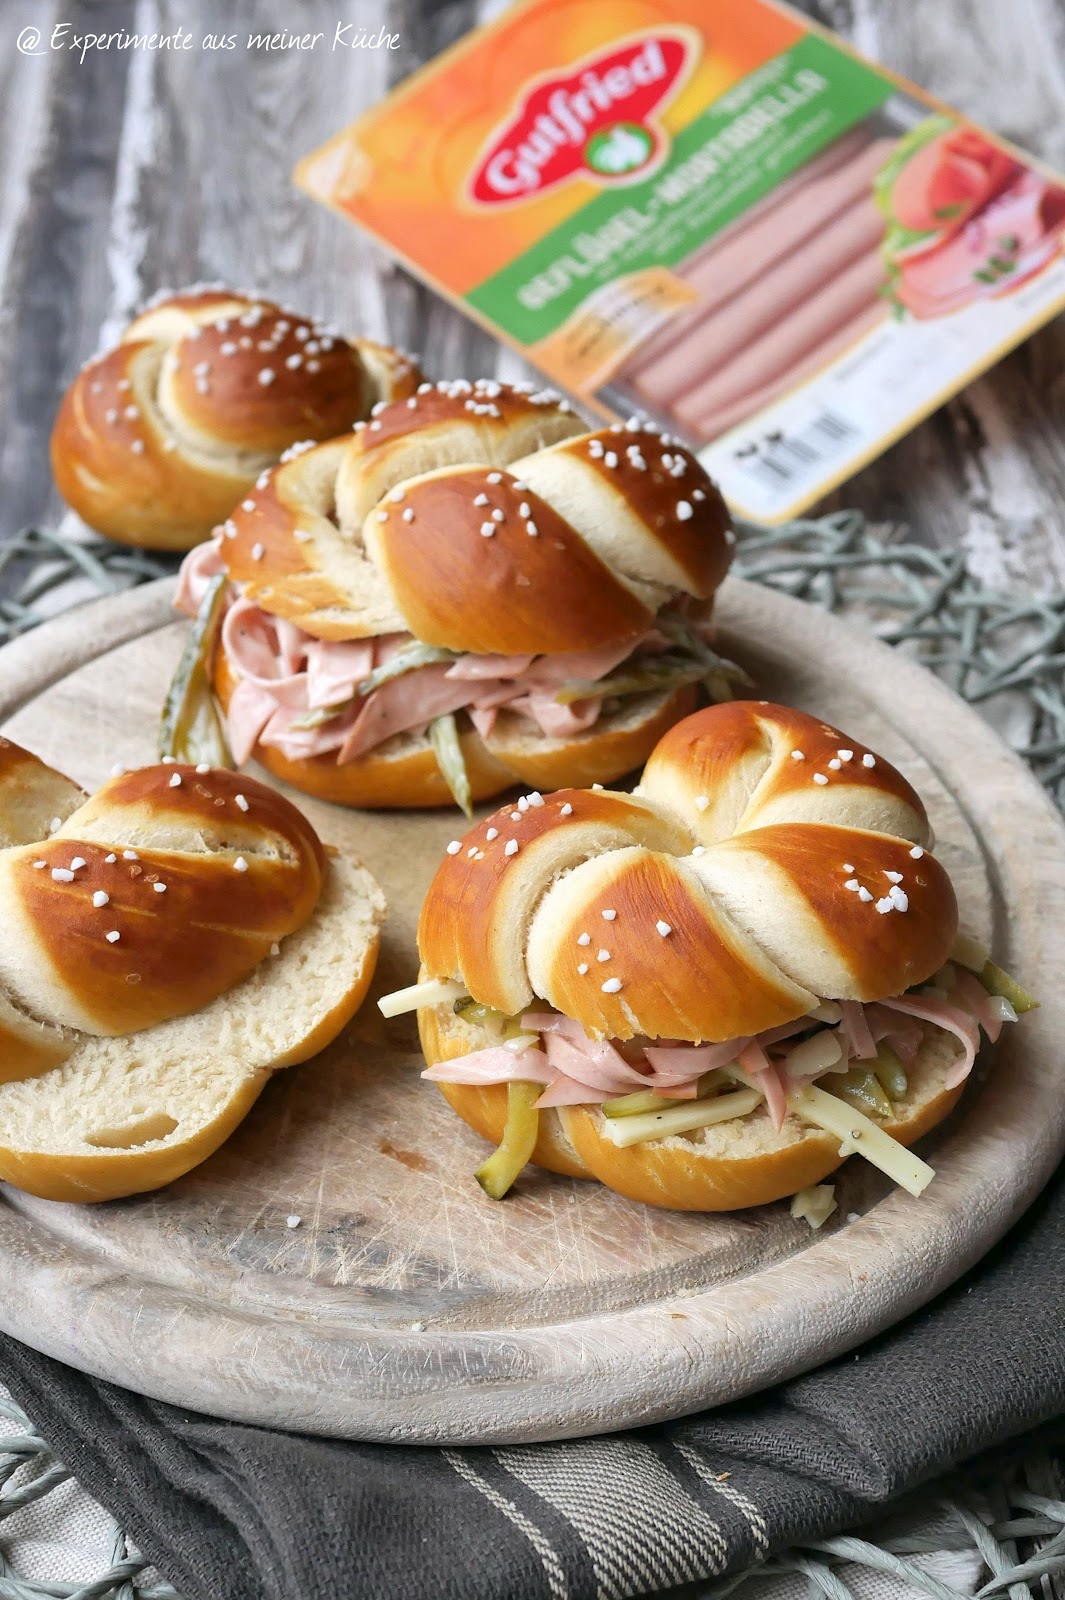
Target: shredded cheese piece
682,1118
434,992
825,1111
815,1204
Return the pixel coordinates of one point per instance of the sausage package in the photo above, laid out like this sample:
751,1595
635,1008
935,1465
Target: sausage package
715,216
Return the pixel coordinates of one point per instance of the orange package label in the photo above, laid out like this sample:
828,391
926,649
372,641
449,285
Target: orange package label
717,217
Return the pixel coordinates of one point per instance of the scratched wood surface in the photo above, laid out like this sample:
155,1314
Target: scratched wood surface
406,1305
131,171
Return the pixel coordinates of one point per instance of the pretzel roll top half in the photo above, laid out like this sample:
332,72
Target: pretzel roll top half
699,909
295,554
160,893
296,541
562,551
476,918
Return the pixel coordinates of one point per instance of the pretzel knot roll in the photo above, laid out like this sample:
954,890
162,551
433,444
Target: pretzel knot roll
157,438
165,945
549,588
759,907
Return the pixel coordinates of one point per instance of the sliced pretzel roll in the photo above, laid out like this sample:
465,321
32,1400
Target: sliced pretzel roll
34,801
159,894
296,542
634,933
34,798
157,438
483,560
476,916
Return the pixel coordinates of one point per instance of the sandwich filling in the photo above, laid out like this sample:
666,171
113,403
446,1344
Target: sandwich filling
309,697
647,1089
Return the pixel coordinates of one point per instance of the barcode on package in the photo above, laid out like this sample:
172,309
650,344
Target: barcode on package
779,460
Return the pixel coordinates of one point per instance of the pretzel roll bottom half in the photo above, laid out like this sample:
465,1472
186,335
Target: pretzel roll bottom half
404,773
728,1166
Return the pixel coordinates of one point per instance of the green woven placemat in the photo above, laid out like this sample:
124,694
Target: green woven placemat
1002,653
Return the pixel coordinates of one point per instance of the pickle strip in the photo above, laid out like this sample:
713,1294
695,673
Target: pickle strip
444,738
498,1173
191,727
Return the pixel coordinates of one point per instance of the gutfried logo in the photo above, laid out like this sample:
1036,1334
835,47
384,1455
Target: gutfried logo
598,121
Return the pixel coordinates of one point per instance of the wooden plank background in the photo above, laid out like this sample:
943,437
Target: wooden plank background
133,170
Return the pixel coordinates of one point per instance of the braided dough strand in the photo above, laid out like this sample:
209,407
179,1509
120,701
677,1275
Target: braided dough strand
728,895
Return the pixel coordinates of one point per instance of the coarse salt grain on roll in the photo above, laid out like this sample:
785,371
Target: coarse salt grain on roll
706,994
165,945
404,626
159,437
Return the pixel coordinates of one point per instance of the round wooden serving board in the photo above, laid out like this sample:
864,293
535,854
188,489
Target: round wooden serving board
407,1306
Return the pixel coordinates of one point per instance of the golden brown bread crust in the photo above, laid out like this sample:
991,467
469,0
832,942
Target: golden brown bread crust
409,778
760,921
157,438
755,764
32,795
199,874
296,543
509,592
446,424
561,552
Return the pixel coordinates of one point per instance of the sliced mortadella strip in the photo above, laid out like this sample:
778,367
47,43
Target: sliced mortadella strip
720,417
676,1063
944,1015
765,1075
410,701
471,668
975,998
568,1092
774,227
250,640
198,570
495,1065
721,339
595,1064
859,1035
300,744
250,709
335,669
557,721
808,324
578,666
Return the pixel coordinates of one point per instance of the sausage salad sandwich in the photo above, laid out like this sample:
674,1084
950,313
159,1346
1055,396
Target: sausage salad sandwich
710,992
468,592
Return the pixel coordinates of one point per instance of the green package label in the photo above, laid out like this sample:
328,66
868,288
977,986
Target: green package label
741,148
